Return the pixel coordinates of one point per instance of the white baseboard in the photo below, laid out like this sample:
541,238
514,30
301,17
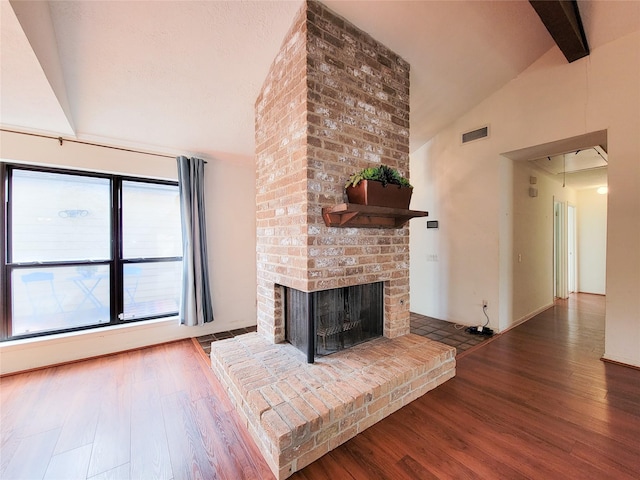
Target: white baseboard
37,352
633,363
526,317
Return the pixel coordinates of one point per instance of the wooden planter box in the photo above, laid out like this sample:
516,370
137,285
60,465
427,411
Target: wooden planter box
370,192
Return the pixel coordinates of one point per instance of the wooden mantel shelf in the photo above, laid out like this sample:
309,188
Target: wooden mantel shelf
365,216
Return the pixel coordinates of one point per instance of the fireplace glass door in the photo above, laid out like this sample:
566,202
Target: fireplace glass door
340,317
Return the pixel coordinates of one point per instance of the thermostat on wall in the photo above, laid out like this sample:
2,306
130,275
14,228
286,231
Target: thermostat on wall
432,224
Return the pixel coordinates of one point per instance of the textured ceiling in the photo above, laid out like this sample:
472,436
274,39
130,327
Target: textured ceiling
183,76
579,169
27,99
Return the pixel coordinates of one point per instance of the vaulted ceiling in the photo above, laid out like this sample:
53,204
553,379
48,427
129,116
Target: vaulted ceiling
183,76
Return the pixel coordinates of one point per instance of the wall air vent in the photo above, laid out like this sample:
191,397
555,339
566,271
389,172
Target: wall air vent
476,134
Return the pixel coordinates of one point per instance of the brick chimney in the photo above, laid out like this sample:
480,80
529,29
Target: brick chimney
335,101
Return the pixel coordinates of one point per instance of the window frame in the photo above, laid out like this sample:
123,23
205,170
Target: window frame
116,263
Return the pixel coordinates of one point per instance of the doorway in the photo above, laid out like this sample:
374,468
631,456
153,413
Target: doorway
552,182
572,244
560,250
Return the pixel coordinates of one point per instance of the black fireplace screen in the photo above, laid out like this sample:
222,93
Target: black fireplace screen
320,323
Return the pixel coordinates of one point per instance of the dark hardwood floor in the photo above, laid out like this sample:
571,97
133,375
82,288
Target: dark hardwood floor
154,413
536,402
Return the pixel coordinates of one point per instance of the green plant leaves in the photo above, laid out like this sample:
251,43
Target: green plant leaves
382,173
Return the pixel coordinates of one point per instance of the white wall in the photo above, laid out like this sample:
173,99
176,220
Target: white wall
533,239
469,187
230,209
592,241
462,193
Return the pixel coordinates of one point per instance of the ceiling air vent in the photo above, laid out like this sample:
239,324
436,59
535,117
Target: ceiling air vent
475,134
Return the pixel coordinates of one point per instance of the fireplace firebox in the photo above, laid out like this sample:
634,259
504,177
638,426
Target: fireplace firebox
324,322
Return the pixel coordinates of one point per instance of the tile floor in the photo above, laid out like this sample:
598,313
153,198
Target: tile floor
205,340
445,332
439,330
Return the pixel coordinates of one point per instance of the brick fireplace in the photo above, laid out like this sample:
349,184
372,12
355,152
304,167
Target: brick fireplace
335,101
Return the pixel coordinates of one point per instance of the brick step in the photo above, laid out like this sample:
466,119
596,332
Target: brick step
297,412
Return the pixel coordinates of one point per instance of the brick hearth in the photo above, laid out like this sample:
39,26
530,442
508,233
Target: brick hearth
296,412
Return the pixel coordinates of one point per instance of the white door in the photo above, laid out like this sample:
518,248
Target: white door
559,250
572,249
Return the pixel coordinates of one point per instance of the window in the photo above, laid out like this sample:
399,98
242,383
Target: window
87,250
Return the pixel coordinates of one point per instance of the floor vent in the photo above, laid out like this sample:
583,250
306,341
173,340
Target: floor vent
475,134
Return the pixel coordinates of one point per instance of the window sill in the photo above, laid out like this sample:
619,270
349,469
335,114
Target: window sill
57,349
92,332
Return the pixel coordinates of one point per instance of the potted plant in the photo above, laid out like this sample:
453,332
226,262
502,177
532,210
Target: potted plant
380,186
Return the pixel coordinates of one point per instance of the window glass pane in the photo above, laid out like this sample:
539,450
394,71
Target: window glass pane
150,220
60,223
57,298
59,217
151,289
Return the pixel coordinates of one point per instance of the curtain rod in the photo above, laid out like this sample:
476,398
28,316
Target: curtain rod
61,140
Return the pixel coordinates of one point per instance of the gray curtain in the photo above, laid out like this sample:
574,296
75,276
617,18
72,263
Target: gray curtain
195,304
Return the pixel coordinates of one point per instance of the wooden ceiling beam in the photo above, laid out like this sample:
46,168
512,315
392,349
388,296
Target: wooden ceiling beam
562,19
